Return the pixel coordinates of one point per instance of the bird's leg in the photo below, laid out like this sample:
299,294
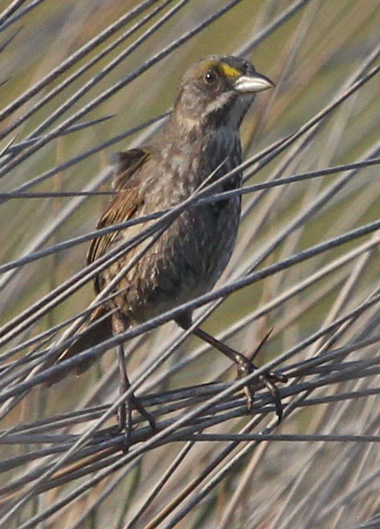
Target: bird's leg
245,366
125,408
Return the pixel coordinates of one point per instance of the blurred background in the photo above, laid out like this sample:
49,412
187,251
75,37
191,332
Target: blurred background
81,80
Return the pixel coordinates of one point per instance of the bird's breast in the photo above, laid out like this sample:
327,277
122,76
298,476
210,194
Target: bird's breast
191,254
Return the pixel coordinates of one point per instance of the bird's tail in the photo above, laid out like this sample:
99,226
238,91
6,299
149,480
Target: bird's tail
93,332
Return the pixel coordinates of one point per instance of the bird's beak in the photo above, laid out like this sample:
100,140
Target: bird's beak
250,84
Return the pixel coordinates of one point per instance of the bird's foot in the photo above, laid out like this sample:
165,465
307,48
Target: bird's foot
125,423
245,367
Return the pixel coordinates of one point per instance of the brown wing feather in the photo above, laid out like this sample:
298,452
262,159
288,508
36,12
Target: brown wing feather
126,164
122,208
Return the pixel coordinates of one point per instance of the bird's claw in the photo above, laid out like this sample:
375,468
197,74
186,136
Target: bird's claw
269,380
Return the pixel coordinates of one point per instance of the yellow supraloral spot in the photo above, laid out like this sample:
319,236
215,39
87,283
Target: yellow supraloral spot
229,71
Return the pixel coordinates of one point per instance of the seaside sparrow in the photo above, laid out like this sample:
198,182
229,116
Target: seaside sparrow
199,143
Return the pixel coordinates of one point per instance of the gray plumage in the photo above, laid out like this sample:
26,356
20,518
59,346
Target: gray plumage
201,136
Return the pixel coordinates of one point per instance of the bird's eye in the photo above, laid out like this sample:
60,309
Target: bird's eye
211,77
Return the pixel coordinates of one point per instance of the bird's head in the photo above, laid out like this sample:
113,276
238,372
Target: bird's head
217,92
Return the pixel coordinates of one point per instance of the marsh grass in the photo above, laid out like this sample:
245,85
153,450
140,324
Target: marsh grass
81,80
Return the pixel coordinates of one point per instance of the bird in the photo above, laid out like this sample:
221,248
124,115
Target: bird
198,144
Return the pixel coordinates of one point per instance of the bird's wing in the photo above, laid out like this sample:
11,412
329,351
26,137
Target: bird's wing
123,207
126,164
125,204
